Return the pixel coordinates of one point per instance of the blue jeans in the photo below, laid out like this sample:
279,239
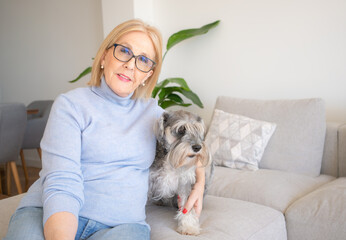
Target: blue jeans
26,223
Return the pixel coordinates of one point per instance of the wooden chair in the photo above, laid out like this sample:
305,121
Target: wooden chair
12,128
38,113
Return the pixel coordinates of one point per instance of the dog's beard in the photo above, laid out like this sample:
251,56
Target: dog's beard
181,155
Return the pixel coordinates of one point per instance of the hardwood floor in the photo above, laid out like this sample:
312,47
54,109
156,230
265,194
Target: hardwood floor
33,173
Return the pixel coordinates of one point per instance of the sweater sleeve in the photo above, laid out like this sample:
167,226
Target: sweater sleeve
61,173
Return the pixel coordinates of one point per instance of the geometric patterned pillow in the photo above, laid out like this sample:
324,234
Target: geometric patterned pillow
237,141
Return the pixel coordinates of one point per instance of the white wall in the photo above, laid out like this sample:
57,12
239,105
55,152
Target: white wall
115,12
44,44
125,10
262,49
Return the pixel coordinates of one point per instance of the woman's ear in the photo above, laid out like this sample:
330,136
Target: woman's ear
148,75
103,58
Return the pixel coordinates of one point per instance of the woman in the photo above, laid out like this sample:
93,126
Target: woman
98,146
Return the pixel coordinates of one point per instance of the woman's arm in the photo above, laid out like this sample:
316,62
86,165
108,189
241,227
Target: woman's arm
61,175
61,226
195,199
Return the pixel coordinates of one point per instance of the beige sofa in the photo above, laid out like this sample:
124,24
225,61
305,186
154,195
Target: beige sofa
298,193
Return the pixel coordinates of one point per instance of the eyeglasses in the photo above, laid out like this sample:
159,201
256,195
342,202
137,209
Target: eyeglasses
124,54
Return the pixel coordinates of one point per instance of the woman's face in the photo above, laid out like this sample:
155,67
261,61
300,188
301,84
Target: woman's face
124,77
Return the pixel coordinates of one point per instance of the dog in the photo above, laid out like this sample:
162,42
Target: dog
180,146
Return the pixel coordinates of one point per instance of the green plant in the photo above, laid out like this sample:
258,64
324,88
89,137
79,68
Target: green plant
169,95
169,90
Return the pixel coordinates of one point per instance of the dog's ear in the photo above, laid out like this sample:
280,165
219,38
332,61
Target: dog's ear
205,156
201,121
159,127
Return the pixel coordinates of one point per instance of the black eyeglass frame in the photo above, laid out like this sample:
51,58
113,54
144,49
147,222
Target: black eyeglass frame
133,56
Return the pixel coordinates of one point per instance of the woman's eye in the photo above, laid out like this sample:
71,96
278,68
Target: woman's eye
181,130
143,59
126,51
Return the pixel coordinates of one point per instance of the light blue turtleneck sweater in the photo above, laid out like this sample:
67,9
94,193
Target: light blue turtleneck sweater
96,152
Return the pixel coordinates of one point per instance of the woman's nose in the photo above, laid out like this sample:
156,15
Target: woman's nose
130,64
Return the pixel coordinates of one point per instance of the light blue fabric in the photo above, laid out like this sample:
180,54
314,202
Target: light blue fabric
96,152
26,223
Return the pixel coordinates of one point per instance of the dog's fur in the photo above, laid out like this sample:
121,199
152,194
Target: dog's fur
180,145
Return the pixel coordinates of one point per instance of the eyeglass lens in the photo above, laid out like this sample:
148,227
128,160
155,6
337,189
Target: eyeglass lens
125,54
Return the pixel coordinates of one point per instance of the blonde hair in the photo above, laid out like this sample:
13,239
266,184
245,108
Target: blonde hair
113,36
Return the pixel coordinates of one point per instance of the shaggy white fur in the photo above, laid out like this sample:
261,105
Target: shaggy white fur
180,146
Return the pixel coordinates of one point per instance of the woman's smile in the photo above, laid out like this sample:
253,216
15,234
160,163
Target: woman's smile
123,77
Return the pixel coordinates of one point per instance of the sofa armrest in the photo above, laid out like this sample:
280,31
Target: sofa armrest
320,214
330,163
334,153
342,150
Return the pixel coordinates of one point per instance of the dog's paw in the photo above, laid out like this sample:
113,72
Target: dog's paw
189,230
188,224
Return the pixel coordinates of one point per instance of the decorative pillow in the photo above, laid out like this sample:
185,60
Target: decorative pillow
237,141
298,143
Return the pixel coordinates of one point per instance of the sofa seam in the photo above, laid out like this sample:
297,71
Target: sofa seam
266,225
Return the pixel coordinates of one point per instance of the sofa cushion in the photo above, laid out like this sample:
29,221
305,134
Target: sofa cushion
319,215
297,143
237,141
7,207
272,188
221,218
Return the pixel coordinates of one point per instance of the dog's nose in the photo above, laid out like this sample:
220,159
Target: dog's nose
196,147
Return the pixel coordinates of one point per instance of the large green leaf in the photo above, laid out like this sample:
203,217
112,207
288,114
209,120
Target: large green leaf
85,72
175,97
188,33
170,103
193,97
164,83
155,91
188,94
168,90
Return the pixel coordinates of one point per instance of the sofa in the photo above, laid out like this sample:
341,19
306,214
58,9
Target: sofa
296,188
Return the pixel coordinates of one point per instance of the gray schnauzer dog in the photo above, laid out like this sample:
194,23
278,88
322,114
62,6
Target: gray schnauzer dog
180,146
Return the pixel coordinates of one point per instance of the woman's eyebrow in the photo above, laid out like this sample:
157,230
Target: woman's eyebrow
125,44
130,47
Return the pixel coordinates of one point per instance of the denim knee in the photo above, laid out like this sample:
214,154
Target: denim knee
131,231
26,223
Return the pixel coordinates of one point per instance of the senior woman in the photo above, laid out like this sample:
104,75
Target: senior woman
98,146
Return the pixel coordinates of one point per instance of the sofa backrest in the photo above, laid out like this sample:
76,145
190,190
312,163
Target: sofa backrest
298,141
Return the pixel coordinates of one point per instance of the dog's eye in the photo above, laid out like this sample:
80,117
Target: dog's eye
181,130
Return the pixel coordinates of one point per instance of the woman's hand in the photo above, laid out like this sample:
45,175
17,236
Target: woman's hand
195,199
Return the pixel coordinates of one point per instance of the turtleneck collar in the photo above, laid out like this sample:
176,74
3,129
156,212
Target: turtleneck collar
107,93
